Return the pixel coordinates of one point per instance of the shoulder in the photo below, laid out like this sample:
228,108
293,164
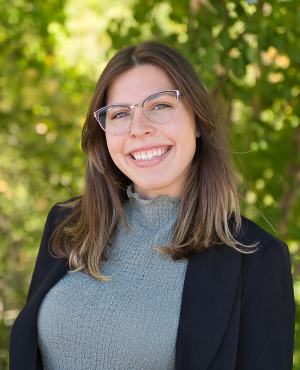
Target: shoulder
258,243
266,278
61,210
269,251
251,233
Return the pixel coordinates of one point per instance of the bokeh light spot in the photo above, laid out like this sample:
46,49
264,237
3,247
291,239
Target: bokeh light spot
41,128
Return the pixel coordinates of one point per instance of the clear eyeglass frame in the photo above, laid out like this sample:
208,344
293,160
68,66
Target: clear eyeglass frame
98,111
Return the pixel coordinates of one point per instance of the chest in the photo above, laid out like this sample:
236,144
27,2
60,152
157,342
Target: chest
132,319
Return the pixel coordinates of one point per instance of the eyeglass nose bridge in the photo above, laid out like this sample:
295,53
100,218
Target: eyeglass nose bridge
137,105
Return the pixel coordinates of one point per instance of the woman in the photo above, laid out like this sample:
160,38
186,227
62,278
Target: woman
153,267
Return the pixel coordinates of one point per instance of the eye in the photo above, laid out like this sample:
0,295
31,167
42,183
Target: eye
161,106
119,115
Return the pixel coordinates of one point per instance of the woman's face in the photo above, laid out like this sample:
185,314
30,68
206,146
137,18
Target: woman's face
164,175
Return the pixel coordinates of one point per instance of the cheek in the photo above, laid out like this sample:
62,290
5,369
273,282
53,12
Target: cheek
187,151
115,147
186,137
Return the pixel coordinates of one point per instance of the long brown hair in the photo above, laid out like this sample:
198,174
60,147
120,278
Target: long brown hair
209,212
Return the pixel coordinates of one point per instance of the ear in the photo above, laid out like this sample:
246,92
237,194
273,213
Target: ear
198,133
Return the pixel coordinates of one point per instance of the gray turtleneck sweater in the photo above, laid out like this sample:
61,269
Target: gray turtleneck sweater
130,322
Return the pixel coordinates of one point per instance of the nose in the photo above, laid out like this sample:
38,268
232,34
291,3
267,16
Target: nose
140,124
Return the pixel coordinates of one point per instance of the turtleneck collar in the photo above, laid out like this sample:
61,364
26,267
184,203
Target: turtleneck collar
157,211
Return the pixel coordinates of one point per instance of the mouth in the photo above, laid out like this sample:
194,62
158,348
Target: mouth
148,155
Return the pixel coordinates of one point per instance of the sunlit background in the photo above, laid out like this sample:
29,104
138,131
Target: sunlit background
52,53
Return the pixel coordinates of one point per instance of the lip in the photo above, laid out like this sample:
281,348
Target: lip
151,162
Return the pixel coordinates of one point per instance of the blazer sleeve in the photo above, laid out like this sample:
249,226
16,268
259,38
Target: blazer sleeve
43,251
267,325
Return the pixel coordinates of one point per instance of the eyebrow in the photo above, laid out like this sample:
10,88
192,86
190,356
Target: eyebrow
151,96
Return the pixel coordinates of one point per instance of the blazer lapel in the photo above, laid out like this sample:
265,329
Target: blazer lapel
208,295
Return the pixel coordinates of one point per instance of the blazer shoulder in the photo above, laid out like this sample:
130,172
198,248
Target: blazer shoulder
267,245
250,233
62,210
266,272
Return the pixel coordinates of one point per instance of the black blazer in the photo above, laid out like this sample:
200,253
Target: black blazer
237,310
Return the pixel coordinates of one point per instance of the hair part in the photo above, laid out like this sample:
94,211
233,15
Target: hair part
209,213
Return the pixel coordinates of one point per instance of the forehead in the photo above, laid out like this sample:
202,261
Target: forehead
133,86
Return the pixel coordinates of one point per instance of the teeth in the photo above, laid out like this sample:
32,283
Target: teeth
149,155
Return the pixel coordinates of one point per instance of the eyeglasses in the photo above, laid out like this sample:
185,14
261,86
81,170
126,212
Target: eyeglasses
158,107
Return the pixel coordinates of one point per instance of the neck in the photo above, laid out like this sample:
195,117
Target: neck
155,212
173,192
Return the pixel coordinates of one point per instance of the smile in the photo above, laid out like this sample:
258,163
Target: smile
150,157
150,154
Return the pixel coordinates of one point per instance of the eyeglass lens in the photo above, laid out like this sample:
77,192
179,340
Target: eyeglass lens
159,108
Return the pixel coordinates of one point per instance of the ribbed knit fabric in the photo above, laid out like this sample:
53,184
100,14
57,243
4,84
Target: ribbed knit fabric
130,322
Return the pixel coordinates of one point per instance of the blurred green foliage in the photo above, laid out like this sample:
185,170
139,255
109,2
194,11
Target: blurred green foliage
51,54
